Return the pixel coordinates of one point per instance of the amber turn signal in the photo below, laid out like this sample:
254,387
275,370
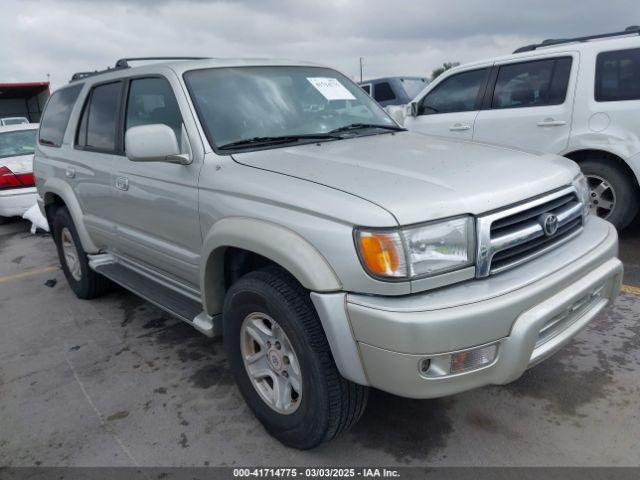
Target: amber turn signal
382,253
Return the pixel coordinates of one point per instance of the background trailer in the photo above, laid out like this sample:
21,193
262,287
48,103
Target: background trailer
23,99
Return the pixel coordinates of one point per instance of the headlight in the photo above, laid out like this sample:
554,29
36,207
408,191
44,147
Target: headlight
418,251
438,247
582,187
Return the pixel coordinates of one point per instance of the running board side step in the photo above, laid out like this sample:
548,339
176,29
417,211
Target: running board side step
181,306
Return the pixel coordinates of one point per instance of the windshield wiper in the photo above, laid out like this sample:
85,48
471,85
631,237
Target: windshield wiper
331,134
364,126
277,139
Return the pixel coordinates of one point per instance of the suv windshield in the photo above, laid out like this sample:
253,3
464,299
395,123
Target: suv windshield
248,107
20,142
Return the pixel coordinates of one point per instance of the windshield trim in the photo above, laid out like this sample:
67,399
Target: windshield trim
216,148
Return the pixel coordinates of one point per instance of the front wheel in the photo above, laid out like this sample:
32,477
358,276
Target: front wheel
612,194
282,362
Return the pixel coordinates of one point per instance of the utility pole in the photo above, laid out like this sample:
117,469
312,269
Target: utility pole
361,59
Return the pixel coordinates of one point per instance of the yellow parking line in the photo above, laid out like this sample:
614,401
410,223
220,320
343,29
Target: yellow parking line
631,289
28,273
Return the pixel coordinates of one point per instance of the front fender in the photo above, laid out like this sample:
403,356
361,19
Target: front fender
275,242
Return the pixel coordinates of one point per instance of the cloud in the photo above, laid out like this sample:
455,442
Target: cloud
395,37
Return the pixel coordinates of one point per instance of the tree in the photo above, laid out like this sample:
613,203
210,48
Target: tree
440,70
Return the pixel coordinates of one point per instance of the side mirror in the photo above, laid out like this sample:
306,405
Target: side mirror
413,109
153,143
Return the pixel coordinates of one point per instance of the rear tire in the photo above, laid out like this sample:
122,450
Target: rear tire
613,194
327,404
84,282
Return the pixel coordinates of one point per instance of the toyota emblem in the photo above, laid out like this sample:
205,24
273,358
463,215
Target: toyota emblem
549,223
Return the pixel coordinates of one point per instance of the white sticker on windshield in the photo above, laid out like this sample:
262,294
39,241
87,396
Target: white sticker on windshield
331,88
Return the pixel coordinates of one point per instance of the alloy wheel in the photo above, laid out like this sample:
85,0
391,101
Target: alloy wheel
602,196
71,256
271,363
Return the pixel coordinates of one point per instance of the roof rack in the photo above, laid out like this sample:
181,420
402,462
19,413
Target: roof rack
83,75
633,30
124,63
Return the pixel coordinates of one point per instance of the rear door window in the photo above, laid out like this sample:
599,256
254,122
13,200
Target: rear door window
618,75
532,84
56,115
98,125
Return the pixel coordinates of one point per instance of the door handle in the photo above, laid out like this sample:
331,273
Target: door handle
550,122
459,127
70,172
122,183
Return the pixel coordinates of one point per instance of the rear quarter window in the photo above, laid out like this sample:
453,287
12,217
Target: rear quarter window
56,115
618,75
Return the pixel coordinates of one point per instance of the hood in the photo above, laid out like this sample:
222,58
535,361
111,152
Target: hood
419,177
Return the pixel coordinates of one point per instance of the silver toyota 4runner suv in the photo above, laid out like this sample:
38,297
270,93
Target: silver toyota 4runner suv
275,203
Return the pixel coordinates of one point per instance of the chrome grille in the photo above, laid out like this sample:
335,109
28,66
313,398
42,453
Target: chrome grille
510,237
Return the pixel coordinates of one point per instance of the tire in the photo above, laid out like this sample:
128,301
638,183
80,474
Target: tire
622,190
84,282
327,403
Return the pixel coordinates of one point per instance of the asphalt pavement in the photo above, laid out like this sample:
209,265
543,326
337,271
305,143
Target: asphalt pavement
115,381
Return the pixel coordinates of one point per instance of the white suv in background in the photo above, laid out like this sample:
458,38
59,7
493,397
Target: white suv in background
578,97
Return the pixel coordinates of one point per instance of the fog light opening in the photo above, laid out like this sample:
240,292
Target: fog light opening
424,366
473,359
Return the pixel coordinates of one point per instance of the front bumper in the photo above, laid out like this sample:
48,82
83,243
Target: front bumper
14,202
558,293
399,373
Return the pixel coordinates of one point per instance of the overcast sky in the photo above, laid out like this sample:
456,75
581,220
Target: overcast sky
395,37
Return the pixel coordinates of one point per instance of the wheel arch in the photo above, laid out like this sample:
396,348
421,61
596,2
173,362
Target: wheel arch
579,156
275,243
57,193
